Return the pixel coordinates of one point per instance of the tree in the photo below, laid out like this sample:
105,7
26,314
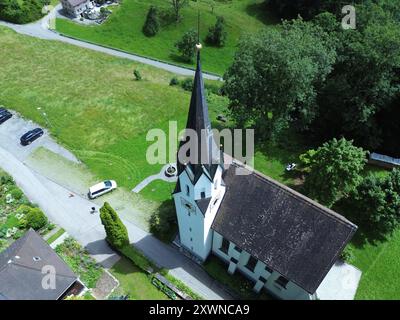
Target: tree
187,45
35,219
177,5
364,84
152,23
117,234
335,170
375,204
216,34
275,75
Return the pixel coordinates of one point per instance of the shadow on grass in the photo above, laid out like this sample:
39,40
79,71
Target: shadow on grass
262,12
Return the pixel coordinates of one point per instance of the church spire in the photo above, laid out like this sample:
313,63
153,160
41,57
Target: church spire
204,153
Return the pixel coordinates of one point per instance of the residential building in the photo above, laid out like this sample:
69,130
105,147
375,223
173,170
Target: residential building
24,266
75,8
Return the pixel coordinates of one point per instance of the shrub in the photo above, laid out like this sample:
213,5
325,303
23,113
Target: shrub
174,81
35,219
216,34
137,75
152,23
187,45
347,255
117,234
187,84
16,194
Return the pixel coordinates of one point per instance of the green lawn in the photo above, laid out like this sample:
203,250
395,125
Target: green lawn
123,29
134,282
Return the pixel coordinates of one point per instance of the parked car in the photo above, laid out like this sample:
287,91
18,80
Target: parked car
31,136
4,116
102,188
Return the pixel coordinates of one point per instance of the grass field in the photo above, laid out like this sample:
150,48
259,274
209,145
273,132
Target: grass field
99,112
123,29
134,282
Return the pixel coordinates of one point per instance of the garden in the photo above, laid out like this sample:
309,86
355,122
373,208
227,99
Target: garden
17,214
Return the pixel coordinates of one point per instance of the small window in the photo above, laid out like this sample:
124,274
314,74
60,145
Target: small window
238,249
251,264
187,191
269,269
203,194
216,184
191,239
190,229
225,246
282,281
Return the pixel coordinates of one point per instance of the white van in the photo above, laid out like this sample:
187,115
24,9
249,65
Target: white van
102,188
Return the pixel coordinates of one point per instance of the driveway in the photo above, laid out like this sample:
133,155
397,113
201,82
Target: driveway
40,29
72,213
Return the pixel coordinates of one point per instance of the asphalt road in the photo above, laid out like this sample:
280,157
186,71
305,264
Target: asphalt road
40,29
72,213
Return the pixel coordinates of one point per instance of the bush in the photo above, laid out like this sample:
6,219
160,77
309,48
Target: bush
35,219
187,45
16,194
347,255
152,23
187,84
137,75
117,234
174,81
216,34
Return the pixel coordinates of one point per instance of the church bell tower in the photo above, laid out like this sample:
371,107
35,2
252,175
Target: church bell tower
200,189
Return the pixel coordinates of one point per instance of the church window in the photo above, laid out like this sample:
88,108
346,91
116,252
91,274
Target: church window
187,191
282,281
251,264
225,246
203,194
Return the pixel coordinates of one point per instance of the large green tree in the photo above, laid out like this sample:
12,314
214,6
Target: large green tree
375,204
359,94
275,75
334,171
152,23
117,234
187,45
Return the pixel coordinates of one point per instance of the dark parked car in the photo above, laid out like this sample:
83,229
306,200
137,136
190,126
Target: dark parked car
31,136
4,116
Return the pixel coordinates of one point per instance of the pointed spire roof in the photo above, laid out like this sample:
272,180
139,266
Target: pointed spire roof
205,151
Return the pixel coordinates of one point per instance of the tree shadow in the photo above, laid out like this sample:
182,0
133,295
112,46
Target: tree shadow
262,12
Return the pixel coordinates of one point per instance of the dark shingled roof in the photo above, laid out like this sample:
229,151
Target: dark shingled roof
207,155
203,204
290,233
21,276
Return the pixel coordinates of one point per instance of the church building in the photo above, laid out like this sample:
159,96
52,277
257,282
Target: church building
283,241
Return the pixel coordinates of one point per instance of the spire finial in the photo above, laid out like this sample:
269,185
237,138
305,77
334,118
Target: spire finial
198,45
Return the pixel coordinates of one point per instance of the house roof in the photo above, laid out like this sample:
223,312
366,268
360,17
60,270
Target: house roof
21,270
290,233
75,3
203,152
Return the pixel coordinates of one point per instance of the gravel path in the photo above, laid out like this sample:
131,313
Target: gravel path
40,29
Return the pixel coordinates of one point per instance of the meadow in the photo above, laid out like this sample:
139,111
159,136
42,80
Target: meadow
97,110
123,29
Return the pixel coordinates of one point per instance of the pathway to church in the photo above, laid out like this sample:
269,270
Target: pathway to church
73,213
40,29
